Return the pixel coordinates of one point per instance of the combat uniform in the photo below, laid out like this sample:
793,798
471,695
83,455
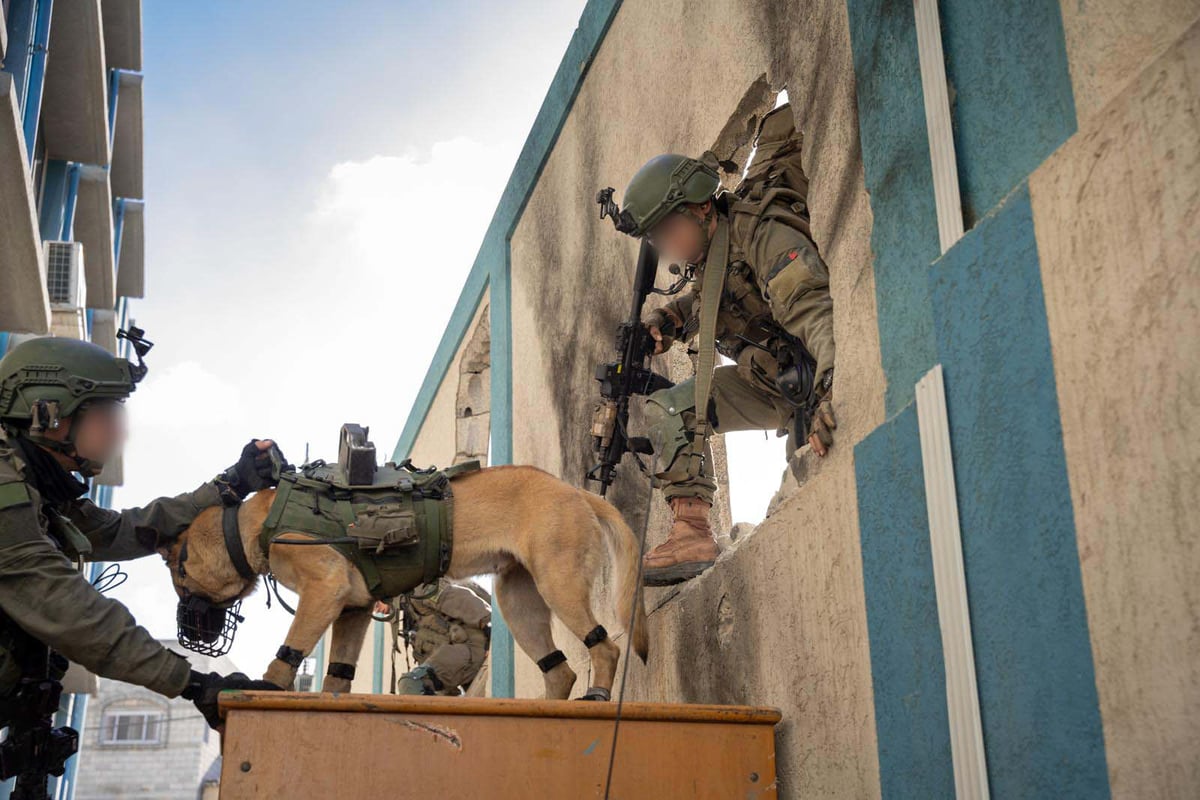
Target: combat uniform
774,319
45,522
448,626
776,293
49,612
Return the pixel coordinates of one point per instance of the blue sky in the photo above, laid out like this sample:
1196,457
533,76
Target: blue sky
318,179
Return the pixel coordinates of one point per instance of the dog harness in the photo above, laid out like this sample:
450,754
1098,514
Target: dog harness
397,529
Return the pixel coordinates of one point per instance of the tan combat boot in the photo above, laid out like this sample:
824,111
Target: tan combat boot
689,549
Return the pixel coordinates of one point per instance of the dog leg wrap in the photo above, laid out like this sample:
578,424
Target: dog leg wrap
597,693
549,662
595,636
338,669
290,656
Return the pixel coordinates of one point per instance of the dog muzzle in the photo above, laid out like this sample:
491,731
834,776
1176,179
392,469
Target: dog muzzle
207,628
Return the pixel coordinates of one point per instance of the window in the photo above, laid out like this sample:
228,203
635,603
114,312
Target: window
132,727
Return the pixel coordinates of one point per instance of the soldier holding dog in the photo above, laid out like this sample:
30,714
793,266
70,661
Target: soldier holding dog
61,413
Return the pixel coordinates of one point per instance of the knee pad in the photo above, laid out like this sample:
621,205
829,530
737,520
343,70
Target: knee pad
669,433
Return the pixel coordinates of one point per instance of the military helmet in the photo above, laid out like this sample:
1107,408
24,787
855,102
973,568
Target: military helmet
61,371
662,185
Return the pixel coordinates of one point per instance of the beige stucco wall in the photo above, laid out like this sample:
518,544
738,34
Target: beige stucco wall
1117,215
781,619
1109,43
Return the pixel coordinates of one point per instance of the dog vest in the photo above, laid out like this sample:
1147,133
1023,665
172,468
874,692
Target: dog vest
397,530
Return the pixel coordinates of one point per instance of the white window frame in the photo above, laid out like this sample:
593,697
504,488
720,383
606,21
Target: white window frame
112,718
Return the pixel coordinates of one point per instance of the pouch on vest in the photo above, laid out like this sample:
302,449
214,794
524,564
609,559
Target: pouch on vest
380,528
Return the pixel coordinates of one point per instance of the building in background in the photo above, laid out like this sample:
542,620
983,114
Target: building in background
71,241
138,745
990,584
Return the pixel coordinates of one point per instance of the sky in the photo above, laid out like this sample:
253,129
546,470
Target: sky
318,179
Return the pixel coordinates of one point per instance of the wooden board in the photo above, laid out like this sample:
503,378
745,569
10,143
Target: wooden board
301,745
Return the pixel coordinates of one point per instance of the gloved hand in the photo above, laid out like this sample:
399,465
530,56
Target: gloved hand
203,690
259,467
662,329
820,431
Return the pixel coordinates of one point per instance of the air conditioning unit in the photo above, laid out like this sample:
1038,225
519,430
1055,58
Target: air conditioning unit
64,275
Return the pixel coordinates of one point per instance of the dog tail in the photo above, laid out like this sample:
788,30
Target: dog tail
629,556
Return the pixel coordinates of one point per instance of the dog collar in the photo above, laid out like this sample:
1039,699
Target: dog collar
233,542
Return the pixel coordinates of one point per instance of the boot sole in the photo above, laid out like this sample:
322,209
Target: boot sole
676,573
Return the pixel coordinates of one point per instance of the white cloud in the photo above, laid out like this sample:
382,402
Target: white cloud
416,211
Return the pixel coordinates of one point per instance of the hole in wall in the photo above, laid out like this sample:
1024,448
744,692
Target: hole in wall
756,459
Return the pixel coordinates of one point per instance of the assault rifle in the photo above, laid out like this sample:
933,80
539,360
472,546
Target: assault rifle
34,749
631,375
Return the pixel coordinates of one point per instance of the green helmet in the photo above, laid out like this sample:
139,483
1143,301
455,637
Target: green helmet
662,185
57,375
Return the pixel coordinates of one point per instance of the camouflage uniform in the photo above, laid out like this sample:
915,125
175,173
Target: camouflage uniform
449,630
775,281
43,595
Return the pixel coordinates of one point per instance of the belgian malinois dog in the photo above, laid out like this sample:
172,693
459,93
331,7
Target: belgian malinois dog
544,540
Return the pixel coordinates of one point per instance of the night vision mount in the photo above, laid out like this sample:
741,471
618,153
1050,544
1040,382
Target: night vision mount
622,220
141,346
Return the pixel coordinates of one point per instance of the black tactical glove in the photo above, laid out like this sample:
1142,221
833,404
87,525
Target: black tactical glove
820,431
203,690
257,468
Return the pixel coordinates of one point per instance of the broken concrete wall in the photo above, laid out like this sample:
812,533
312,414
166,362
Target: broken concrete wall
448,430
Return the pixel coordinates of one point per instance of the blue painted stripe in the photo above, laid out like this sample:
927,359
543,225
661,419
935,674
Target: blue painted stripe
55,189
907,666
22,15
67,233
114,95
899,179
1013,102
377,673
319,668
37,75
3,343
1037,688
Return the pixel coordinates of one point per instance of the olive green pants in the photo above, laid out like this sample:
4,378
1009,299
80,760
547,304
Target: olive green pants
454,664
736,404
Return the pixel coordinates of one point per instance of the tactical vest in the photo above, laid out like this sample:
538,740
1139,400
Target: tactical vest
397,530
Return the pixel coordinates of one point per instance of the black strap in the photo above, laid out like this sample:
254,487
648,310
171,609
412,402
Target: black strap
549,662
595,636
273,585
339,669
290,656
233,543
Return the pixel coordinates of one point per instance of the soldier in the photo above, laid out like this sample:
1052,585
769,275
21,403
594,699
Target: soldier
61,412
449,627
774,319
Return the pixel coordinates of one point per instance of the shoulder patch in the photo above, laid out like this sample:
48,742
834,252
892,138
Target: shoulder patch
13,494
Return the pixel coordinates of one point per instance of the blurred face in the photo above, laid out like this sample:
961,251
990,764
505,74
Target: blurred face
679,237
100,431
